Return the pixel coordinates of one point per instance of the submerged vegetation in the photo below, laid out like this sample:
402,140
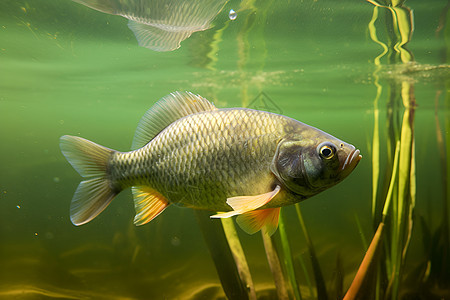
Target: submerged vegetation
383,273
120,262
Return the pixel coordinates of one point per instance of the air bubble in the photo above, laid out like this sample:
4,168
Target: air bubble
232,15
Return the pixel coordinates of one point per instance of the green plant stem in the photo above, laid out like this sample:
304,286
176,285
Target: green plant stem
288,257
404,186
306,274
361,233
320,282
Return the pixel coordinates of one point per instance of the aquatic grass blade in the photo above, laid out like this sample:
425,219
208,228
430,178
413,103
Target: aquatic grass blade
392,182
275,266
374,37
320,282
239,255
306,274
228,266
399,201
361,233
412,202
338,280
288,257
403,213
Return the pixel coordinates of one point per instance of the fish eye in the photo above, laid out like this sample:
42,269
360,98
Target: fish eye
327,151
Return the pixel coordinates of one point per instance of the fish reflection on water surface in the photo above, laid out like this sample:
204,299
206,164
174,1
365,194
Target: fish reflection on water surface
235,161
161,25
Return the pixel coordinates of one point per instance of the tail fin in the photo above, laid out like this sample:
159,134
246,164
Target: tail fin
94,194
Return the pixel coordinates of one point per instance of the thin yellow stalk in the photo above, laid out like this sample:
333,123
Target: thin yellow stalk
402,18
404,179
397,3
375,150
391,263
239,256
214,44
228,261
405,29
392,182
374,37
412,204
376,130
406,142
376,112
275,267
375,3
400,198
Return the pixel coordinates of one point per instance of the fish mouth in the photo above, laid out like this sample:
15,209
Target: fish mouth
351,161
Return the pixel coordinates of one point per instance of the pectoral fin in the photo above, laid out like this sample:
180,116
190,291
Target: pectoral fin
243,204
225,215
148,204
265,219
248,203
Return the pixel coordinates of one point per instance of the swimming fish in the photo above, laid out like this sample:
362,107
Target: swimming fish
234,161
161,25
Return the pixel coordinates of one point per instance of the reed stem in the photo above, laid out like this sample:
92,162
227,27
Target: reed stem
275,267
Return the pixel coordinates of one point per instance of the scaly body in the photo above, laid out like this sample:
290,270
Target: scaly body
199,156
201,160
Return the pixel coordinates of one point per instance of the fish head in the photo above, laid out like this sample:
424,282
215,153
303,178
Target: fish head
307,166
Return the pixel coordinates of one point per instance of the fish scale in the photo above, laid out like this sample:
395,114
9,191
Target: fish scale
195,142
236,161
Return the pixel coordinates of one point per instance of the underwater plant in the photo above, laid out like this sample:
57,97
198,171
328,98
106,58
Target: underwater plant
382,273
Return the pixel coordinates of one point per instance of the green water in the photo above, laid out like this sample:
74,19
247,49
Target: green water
68,69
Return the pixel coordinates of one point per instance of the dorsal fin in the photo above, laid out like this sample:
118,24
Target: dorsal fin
166,111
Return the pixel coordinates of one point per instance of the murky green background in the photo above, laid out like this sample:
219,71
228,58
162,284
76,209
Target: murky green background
67,69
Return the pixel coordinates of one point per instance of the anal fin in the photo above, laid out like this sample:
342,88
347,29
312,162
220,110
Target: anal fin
263,219
148,204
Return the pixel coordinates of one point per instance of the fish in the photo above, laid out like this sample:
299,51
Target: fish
161,25
230,161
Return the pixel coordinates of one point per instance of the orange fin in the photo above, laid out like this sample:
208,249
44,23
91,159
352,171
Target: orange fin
148,204
248,203
243,204
265,219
